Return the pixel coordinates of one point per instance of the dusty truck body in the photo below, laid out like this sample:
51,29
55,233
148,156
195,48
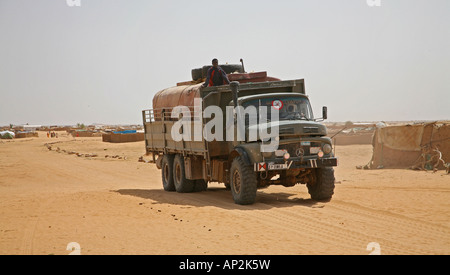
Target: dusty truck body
303,153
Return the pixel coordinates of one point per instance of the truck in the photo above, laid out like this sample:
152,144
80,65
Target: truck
296,151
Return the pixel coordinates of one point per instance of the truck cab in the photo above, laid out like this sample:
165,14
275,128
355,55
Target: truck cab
302,153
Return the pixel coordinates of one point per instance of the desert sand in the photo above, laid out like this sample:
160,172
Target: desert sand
110,203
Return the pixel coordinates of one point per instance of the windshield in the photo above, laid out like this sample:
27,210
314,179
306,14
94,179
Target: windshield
289,107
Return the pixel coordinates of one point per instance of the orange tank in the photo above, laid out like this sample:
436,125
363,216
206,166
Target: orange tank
169,98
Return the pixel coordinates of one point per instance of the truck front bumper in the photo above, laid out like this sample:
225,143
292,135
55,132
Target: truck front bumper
294,163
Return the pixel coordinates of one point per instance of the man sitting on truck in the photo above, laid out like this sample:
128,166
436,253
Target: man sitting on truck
216,76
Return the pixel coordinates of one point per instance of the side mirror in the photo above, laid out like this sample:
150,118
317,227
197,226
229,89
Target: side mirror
324,112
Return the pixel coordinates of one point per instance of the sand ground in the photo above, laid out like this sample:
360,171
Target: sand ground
50,198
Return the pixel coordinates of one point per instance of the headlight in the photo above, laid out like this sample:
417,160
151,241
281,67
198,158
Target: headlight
327,148
280,153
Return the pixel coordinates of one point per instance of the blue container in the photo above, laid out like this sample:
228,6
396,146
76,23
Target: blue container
125,132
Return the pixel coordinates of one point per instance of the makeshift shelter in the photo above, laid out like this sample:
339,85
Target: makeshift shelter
123,136
31,128
417,146
27,134
84,133
7,135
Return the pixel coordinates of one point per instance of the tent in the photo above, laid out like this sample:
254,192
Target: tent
416,146
7,135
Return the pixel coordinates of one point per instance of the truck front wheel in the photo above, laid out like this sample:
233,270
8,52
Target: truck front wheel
182,185
322,188
243,183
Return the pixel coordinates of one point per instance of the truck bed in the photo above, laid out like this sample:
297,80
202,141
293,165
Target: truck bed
158,122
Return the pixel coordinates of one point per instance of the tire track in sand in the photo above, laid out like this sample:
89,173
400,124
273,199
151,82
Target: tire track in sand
27,245
392,231
273,216
432,238
396,233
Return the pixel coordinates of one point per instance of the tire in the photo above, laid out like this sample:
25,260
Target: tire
200,185
167,172
243,182
182,185
323,188
228,68
197,74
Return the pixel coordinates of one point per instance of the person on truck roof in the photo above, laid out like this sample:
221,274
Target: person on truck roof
216,76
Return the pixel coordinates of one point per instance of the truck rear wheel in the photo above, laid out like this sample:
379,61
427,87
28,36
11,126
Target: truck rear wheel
182,185
167,173
323,187
243,182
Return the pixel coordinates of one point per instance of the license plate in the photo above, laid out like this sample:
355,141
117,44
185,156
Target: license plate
314,150
278,166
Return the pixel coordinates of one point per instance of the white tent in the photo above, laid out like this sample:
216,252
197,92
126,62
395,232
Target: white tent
7,134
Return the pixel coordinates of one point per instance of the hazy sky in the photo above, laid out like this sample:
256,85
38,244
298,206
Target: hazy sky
103,61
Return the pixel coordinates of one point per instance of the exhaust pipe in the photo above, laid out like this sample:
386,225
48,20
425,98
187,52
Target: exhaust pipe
242,62
235,92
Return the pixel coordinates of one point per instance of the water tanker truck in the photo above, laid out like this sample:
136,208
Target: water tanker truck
257,131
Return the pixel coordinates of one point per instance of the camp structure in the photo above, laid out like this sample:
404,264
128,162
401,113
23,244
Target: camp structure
26,134
7,135
83,133
123,136
423,146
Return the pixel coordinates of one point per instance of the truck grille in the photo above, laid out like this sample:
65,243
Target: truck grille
286,131
292,148
311,130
